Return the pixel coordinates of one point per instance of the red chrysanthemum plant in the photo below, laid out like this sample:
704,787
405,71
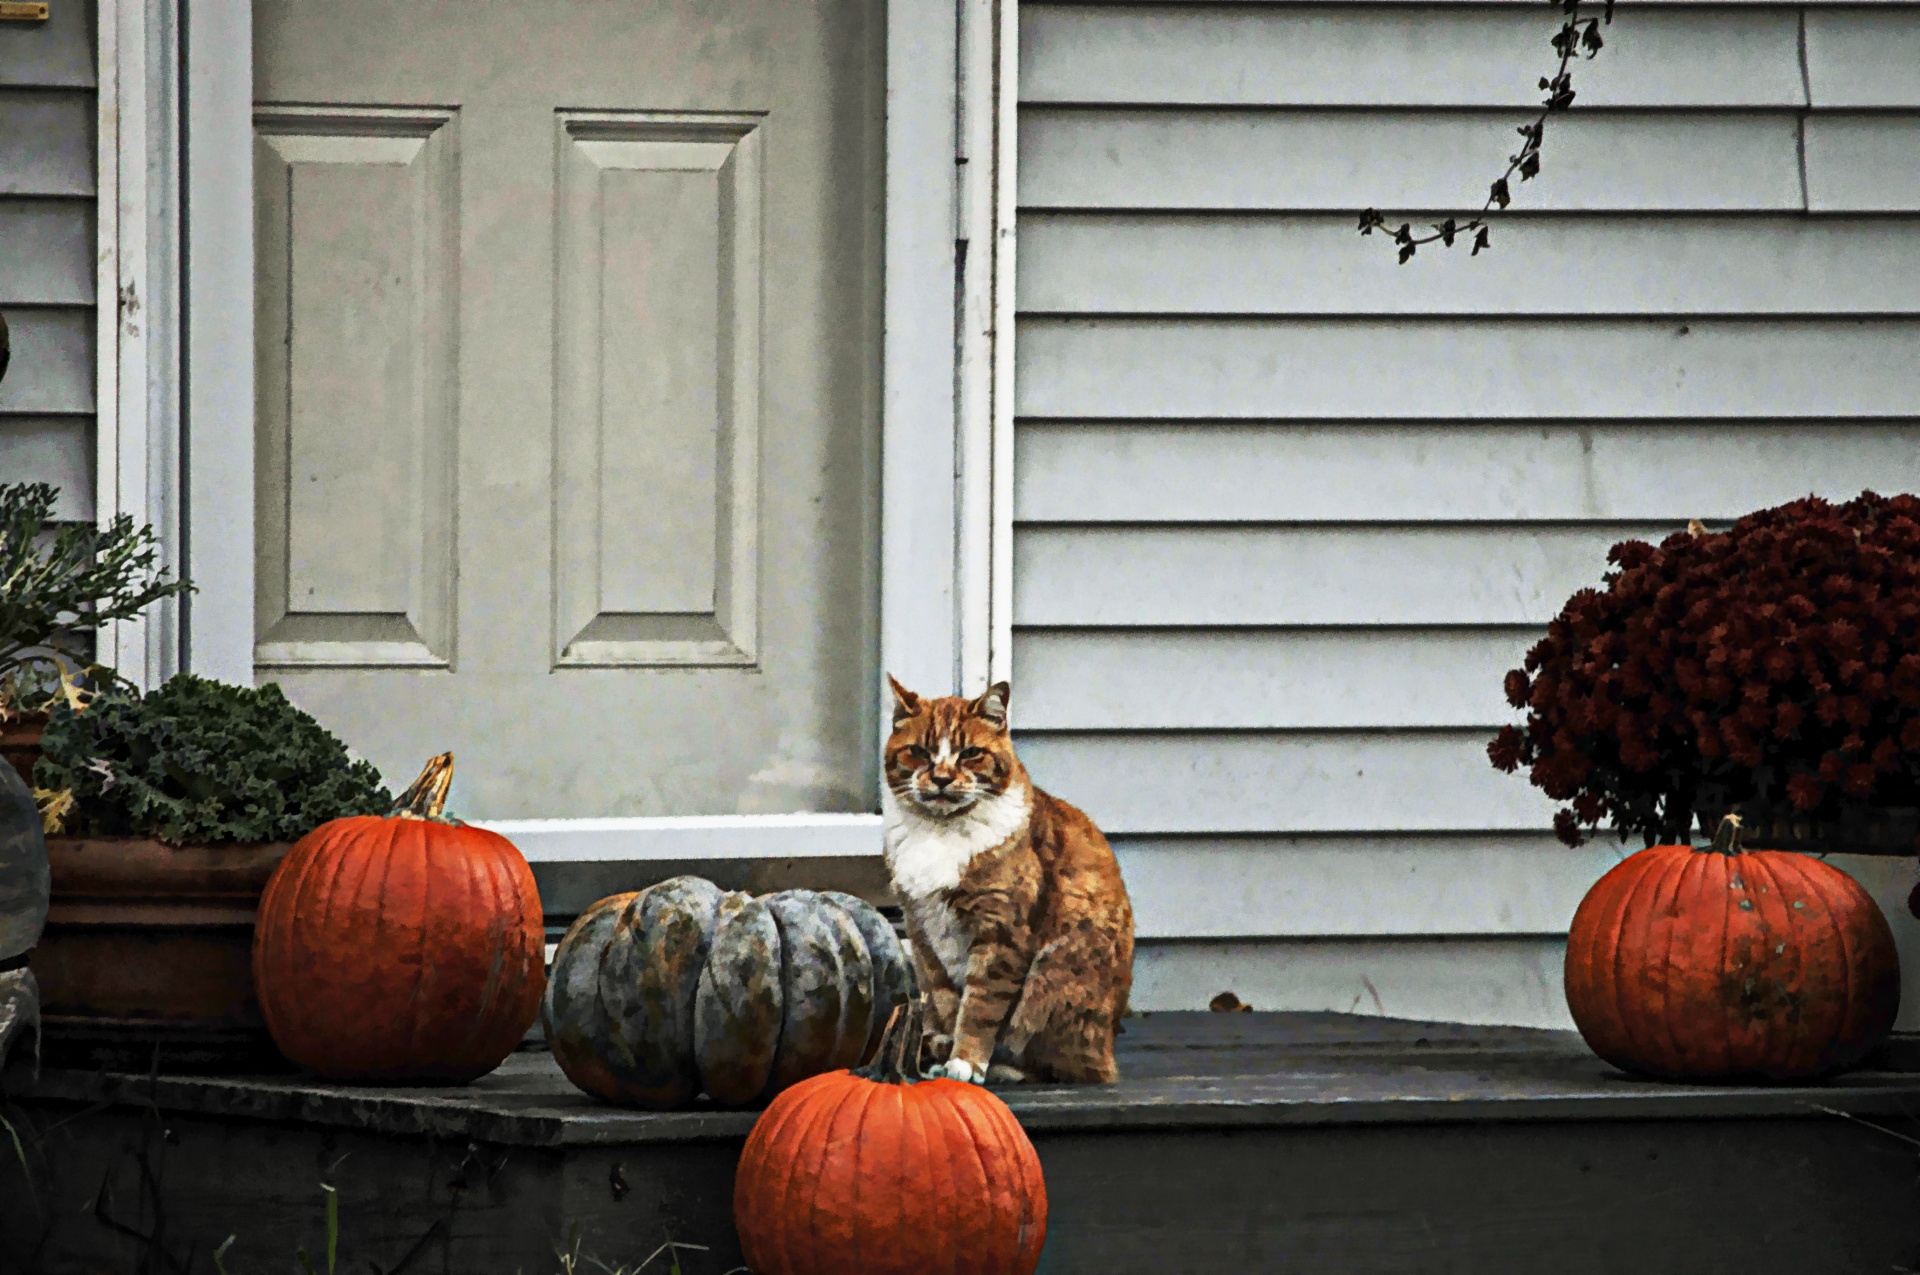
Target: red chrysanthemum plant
1772,668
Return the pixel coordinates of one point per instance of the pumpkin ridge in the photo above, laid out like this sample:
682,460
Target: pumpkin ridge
1591,940
1647,883
1612,912
1811,1014
479,865
1850,957
1728,1049
1006,1210
825,1164
959,1132
767,1137
277,938
804,1166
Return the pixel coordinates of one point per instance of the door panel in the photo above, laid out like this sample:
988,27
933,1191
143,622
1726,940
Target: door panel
568,412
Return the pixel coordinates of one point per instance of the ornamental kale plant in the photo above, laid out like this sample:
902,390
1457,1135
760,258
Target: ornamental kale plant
201,762
1778,662
58,583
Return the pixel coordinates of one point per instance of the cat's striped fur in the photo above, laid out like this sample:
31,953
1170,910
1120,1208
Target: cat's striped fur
1021,929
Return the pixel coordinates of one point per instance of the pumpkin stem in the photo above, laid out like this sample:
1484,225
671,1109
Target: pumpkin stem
897,1061
427,798
1727,837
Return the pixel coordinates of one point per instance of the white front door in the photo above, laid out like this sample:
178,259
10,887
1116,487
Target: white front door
568,357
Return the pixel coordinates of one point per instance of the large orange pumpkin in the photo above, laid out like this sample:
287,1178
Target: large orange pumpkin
405,947
881,1172
1726,962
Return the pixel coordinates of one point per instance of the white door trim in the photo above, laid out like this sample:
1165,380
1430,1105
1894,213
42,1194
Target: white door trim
945,439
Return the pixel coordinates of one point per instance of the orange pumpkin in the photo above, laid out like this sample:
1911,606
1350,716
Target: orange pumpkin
1726,962
404,947
881,1172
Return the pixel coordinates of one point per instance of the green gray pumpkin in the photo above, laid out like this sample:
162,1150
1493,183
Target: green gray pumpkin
684,988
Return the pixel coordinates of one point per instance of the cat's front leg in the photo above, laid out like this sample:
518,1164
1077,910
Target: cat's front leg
942,1000
996,970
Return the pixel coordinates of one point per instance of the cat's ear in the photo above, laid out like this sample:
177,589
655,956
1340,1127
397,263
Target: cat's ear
991,708
905,702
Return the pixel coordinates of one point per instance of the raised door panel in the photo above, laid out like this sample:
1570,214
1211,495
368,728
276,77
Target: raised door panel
656,472
354,481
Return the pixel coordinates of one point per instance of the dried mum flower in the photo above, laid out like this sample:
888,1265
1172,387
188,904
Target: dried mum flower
1776,661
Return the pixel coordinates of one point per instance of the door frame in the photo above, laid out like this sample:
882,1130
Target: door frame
175,369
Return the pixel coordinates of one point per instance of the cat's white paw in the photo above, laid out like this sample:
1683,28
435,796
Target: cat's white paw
960,1069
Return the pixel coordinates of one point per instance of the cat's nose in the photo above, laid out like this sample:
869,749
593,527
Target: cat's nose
941,781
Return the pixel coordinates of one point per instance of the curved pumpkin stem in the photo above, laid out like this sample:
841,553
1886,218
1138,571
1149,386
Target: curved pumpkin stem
427,798
1727,837
897,1061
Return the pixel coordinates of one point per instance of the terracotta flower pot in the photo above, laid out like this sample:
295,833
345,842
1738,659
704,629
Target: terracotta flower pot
20,742
150,946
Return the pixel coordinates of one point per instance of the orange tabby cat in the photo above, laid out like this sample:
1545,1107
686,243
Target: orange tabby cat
1021,929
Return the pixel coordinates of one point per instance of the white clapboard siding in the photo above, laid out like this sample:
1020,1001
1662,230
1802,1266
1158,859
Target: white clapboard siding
1366,55
1317,575
52,368
1344,887
57,53
1137,472
46,251
1286,511
1252,679
51,449
1864,56
1573,264
1489,370
1300,160
1142,782
46,144
1466,980
1863,162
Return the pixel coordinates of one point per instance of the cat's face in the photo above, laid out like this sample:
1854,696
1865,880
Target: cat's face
946,755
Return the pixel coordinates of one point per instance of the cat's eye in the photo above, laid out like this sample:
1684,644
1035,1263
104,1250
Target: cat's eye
972,754
914,755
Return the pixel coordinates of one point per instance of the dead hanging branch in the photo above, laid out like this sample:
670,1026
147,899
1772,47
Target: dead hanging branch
1578,37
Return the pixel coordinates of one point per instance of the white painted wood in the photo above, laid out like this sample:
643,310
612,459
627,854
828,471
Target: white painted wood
977,174
52,368
1288,782
46,147
355,469
217,290
692,837
1316,575
57,53
1406,472
47,253
1514,981
1864,55
51,449
1489,370
1400,55
1869,163
919,553
1263,679
1138,158
1006,226
1346,887
619,105
657,209
1184,263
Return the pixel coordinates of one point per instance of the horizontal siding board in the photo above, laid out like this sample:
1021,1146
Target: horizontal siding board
52,367
1869,163
1864,56
51,449
1331,887
1263,679
1423,55
46,146
1289,160
1579,264
1355,575
1484,369
1155,472
1285,782
57,53
1516,981
46,251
